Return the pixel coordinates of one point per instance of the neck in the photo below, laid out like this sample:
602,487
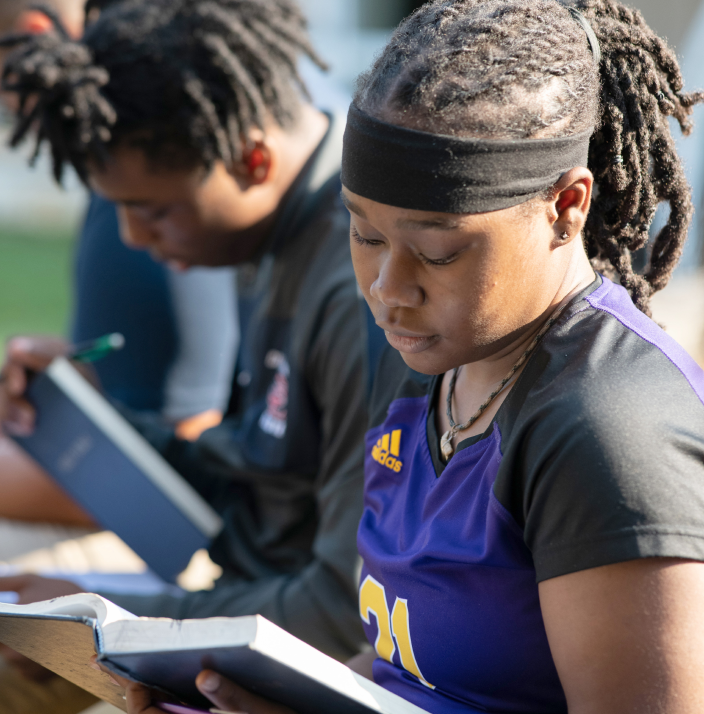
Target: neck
294,149
476,381
297,146
577,275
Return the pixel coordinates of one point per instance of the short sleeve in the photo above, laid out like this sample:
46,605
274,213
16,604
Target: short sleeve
612,468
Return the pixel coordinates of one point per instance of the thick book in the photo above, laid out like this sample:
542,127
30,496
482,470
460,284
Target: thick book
107,467
167,655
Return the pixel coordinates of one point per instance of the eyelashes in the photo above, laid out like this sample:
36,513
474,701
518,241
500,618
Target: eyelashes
358,238
426,261
441,262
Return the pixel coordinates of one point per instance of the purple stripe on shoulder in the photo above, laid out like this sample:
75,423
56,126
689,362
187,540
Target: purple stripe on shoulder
615,300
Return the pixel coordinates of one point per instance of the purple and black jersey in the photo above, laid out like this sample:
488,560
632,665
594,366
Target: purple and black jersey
595,457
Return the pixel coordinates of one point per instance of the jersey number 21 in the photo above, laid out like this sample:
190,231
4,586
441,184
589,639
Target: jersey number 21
372,599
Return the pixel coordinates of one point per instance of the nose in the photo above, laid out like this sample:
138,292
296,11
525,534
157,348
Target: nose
135,232
396,284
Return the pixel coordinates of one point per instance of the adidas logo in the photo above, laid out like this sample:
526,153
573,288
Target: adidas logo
387,451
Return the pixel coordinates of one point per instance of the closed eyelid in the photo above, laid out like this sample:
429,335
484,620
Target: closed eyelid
439,261
449,258
357,234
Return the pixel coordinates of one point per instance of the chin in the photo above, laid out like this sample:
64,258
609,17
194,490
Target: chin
427,364
438,361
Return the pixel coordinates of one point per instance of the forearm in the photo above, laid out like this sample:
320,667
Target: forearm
30,494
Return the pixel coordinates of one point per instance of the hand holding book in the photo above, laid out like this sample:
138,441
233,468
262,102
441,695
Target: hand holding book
35,588
224,694
261,669
25,356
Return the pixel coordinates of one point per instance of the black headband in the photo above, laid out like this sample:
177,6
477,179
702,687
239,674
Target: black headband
415,169
591,35
429,172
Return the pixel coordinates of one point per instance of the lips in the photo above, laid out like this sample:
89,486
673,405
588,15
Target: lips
410,344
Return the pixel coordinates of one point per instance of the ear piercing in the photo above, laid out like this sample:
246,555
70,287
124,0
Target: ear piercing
256,159
565,236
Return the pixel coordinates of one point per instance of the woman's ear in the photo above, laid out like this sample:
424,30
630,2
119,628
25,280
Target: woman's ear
569,205
33,22
255,166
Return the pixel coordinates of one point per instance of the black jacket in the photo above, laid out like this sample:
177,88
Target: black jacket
285,468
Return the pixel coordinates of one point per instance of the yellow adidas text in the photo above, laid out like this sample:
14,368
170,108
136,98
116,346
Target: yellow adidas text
387,450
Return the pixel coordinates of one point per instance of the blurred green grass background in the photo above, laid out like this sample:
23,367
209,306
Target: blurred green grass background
35,281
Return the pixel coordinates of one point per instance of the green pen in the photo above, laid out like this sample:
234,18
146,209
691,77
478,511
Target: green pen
95,350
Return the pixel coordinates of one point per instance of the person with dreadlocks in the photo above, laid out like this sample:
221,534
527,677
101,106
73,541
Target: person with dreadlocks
177,360
533,531
191,116
20,15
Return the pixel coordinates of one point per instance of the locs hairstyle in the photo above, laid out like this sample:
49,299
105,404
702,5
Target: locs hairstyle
503,69
184,80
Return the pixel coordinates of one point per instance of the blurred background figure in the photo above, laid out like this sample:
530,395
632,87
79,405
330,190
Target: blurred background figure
180,328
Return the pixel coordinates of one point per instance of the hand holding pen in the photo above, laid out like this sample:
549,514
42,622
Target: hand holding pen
95,350
27,355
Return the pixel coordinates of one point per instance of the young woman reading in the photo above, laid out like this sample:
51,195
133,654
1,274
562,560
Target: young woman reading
534,507
534,502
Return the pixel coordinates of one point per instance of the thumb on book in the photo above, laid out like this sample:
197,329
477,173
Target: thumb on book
230,697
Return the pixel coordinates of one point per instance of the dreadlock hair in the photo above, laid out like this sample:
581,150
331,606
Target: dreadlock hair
506,69
93,8
183,80
99,5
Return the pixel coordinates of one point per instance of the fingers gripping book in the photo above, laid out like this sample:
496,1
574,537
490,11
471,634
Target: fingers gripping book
167,655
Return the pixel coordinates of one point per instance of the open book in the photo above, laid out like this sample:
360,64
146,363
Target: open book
114,474
63,634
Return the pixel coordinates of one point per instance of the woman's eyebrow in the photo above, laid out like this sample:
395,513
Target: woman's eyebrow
441,224
415,224
352,207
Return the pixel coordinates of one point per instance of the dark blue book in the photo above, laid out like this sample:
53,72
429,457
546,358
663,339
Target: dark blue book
101,461
63,634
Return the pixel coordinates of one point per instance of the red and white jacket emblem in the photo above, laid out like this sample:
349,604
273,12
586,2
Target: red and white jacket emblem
273,420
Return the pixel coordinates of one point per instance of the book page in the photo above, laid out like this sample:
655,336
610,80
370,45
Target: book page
86,605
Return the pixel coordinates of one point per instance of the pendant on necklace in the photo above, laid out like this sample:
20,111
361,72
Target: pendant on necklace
446,445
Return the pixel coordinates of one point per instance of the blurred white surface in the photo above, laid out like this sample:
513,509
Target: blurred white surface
339,39
691,148
680,309
29,196
93,560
